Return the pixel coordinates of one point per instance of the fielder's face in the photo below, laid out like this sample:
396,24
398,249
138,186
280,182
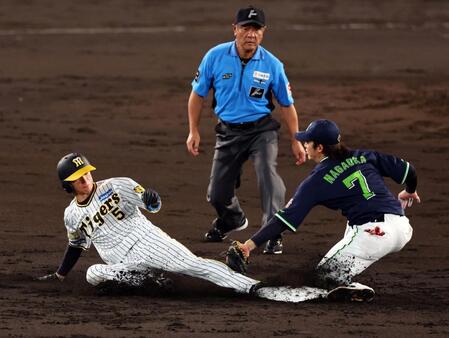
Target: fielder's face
83,185
313,153
248,38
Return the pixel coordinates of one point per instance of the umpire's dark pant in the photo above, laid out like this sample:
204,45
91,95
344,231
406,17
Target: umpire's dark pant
236,144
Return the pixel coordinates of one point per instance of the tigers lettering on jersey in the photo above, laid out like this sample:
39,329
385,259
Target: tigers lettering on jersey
88,225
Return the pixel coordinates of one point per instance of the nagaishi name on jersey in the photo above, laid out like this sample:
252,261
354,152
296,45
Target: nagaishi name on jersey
344,165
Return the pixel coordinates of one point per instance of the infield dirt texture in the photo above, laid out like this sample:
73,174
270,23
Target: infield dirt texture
111,79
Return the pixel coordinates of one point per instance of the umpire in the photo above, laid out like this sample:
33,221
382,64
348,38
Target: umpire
244,77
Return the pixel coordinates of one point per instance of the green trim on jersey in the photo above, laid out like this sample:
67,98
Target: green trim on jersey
344,246
292,228
406,172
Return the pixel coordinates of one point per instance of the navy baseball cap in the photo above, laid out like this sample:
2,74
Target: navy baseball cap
250,16
324,132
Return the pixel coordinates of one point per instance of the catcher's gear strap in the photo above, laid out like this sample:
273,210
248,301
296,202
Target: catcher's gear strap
411,180
71,256
272,230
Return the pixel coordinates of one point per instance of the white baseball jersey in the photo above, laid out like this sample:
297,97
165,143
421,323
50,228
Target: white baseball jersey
127,241
110,218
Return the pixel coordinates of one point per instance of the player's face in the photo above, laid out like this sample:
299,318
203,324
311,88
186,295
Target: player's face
312,152
83,185
248,38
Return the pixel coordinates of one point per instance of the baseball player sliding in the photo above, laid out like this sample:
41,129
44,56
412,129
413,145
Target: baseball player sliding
106,214
350,181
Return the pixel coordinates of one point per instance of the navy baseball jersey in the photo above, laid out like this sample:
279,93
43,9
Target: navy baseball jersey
242,93
355,186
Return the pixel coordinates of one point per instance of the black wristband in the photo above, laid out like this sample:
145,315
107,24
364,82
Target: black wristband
272,230
411,181
71,256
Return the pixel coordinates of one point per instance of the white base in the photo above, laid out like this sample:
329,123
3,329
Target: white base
291,295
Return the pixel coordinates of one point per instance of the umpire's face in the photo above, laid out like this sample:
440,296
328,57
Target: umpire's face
248,38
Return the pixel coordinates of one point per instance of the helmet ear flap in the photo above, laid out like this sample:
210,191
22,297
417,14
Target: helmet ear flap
67,186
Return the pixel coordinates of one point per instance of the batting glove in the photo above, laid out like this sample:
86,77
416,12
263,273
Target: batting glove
152,200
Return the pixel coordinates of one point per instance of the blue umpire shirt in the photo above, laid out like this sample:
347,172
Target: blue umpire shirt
242,93
354,185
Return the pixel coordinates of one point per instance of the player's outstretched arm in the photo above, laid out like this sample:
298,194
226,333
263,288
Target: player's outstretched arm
71,256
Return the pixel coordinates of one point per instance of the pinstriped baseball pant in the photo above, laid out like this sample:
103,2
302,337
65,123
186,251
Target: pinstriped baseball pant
157,250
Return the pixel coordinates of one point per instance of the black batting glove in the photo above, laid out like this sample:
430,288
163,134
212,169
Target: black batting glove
152,200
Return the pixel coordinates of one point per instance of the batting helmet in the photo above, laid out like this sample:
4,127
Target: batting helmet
71,167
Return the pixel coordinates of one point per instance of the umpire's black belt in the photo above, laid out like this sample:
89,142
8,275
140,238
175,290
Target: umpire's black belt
371,219
246,125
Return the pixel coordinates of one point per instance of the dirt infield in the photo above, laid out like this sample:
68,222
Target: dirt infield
111,79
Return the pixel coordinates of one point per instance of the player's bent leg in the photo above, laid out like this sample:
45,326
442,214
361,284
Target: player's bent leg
169,255
362,246
127,273
97,274
344,260
400,225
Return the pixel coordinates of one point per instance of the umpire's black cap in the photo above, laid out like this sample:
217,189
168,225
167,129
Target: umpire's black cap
250,16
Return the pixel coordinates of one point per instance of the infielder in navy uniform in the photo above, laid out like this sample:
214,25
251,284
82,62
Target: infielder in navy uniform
244,77
107,214
350,181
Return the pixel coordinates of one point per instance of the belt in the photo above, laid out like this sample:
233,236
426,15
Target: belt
373,219
245,125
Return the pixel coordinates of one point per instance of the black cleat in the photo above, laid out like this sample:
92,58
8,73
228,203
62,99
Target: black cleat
217,235
273,247
255,287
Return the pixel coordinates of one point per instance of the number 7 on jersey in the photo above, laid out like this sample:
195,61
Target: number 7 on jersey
349,182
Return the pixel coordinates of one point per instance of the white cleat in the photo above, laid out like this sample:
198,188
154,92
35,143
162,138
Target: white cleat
354,292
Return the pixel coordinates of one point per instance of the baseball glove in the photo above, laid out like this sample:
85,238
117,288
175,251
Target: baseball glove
236,258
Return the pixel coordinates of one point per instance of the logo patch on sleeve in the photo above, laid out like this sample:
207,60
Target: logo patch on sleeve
256,92
139,189
197,76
